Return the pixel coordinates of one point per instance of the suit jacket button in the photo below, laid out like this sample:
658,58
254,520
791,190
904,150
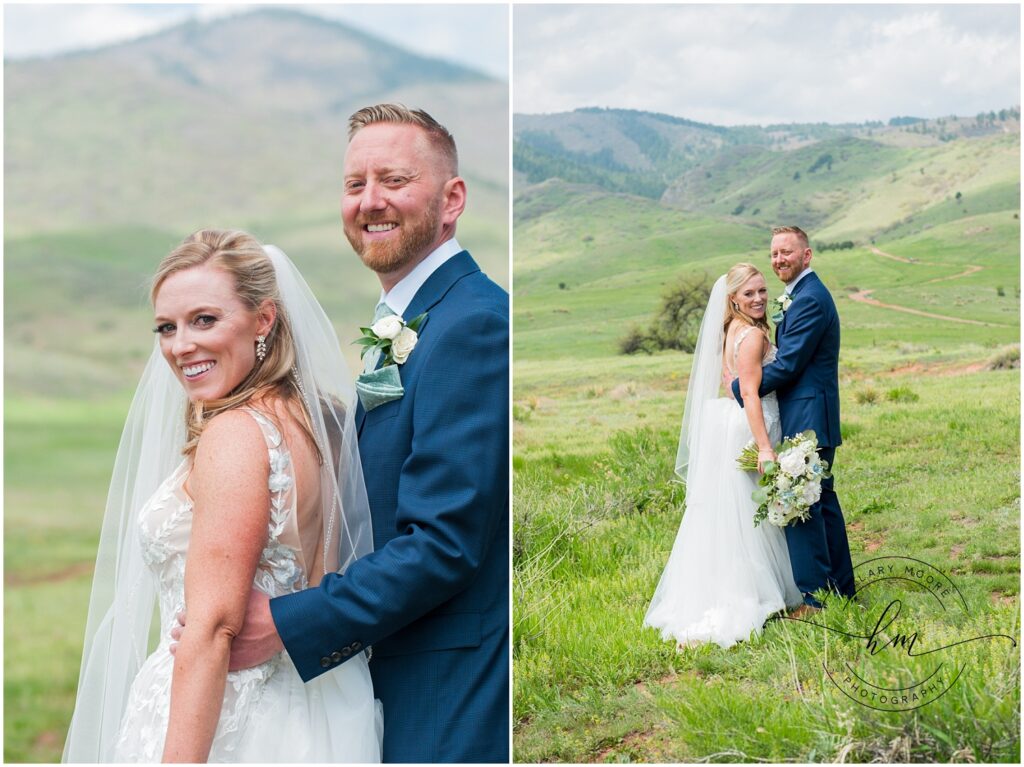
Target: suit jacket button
346,651
356,646
325,662
336,657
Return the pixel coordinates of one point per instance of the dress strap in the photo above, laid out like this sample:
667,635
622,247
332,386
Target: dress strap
282,473
736,346
270,431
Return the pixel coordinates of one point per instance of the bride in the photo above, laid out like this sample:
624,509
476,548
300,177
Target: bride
725,576
268,493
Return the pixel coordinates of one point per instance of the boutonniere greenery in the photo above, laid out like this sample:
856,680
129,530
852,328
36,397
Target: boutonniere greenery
393,337
780,305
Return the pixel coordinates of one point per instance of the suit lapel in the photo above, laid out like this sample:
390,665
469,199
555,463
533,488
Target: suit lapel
781,327
440,282
428,296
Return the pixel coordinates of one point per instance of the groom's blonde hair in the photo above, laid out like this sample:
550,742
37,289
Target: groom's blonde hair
398,114
735,278
800,233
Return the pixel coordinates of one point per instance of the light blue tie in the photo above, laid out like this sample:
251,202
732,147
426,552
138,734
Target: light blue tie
375,387
373,357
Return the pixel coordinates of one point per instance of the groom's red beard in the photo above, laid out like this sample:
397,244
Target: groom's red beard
415,239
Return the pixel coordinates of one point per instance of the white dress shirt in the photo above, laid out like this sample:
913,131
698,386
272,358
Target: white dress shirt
789,287
401,295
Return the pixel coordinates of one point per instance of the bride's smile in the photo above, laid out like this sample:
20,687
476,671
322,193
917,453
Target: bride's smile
207,333
752,297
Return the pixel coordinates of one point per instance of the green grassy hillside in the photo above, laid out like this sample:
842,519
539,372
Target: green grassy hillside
929,467
855,188
589,263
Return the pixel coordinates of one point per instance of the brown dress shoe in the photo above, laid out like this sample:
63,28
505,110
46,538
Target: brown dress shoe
804,612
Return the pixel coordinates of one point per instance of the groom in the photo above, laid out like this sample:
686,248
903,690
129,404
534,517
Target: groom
432,598
805,377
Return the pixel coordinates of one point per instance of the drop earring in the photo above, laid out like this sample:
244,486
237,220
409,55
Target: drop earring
261,348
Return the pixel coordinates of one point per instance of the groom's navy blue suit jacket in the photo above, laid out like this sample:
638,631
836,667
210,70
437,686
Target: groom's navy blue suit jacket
432,599
805,373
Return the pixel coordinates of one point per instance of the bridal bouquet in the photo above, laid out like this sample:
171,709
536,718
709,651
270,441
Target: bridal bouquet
790,486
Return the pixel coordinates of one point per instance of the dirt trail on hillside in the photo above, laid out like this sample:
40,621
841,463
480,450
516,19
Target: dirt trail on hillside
864,296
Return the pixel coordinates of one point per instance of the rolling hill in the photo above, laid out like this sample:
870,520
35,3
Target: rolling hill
881,175
112,156
928,211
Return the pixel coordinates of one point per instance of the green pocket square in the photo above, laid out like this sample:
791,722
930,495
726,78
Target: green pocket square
379,386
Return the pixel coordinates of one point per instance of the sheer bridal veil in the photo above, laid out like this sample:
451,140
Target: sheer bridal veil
123,597
705,378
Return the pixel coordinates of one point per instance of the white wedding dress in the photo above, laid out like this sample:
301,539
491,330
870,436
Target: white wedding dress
268,714
724,576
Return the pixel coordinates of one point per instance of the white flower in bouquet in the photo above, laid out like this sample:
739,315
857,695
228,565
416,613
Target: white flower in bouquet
811,493
793,462
784,482
777,515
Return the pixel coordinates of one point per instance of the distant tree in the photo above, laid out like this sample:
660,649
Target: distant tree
959,196
796,176
677,322
823,160
739,209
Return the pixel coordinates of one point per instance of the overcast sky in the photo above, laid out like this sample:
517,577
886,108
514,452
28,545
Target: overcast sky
472,35
762,64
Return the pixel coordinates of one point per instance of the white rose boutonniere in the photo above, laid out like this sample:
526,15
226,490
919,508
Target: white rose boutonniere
388,327
779,306
393,337
403,344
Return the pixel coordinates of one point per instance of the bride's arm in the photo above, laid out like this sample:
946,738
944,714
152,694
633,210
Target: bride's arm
228,485
748,363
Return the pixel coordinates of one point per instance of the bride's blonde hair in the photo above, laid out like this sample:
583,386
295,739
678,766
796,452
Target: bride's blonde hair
735,279
244,259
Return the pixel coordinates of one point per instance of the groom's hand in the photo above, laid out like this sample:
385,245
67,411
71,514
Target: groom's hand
727,379
256,643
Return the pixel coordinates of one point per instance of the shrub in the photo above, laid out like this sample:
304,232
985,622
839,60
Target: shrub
1007,359
902,394
866,396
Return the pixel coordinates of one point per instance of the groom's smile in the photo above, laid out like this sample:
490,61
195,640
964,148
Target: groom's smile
790,256
398,204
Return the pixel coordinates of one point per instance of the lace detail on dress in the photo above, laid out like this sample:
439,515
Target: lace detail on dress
164,528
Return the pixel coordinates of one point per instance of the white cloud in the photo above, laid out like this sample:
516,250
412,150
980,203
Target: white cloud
31,30
733,64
